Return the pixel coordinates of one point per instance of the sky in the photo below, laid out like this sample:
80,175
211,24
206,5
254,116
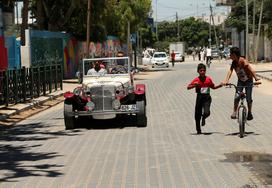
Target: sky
167,9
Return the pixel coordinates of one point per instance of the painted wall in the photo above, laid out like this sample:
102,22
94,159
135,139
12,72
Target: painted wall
44,47
3,50
3,55
13,47
109,48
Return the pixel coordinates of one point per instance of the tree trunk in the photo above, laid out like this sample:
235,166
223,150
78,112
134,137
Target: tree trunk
88,28
40,15
24,21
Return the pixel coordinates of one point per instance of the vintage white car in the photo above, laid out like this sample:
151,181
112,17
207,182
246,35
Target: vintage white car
106,94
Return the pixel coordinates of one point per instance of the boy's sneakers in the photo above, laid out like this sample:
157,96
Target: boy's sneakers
203,122
233,115
249,116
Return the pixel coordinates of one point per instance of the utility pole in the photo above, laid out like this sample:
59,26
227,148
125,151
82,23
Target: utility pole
24,21
88,27
157,19
215,34
178,26
129,49
210,32
247,37
253,30
259,31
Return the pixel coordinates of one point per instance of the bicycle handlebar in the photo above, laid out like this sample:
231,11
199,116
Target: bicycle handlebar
235,86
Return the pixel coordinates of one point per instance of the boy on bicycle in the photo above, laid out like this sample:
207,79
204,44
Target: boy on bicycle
202,85
245,75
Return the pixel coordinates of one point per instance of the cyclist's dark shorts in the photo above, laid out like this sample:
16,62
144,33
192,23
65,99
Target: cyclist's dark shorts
248,89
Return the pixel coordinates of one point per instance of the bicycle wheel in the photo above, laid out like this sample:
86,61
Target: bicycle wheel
242,120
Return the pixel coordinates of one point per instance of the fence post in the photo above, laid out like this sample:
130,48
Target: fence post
44,80
23,80
56,77
61,76
50,79
39,80
31,82
6,87
15,81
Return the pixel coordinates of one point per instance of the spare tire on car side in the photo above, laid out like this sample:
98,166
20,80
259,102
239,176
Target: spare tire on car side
69,119
141,115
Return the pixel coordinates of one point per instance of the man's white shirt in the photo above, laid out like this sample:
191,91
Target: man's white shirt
93,72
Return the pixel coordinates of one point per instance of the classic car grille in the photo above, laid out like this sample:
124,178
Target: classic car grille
102,97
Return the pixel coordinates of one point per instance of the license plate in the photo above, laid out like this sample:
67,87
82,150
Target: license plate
130,107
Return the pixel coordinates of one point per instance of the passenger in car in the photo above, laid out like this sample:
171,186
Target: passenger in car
97,70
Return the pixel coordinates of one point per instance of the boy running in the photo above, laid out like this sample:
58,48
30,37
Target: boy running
202,85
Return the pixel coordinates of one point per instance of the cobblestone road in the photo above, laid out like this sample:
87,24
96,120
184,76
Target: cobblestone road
166,154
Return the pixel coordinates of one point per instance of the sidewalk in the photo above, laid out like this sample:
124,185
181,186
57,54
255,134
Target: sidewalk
263,70
6,112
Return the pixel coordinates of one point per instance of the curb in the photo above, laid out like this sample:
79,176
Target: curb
33,103
264,77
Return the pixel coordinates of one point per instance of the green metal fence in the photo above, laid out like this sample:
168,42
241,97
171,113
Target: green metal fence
20,85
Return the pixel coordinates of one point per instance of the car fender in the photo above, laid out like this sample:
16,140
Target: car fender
68,95
139,89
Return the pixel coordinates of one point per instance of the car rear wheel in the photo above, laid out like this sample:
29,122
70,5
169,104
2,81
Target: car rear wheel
141,115
69,120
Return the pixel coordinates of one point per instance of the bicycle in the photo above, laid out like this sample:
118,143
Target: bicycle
242,109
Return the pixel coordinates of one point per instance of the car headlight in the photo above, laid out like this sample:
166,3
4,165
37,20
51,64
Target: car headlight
90,105
130,89
116,104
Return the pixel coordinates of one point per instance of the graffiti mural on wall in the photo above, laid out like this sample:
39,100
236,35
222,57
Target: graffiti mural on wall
53,47
71,57
108,48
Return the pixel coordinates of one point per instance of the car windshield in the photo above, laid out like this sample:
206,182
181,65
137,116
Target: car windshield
159,55
107,66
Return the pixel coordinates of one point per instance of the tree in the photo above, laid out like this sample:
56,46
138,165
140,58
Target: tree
194,31
108,17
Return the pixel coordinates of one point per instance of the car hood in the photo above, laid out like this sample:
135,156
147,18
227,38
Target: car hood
160,59
106,80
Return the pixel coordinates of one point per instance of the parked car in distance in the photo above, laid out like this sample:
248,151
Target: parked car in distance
226,53
179,57
160,59
215,53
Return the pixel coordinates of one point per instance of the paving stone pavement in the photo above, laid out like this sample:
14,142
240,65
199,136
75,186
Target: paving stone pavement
167,153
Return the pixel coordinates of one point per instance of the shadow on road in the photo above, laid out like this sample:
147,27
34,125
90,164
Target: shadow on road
17,155
120,122
260,164
246,134
207,133
158,70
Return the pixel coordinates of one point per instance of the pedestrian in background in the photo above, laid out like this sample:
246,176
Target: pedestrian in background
208,56
173,55
202,85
